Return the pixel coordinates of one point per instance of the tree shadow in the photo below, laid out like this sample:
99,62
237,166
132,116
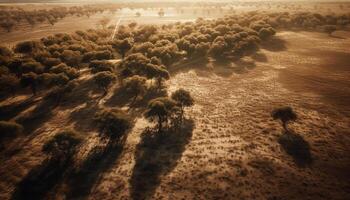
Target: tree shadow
40,115
295,145
274,44
122,98
157,155
40,180
83,118
9,111
101,158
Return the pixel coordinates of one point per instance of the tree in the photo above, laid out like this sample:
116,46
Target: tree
135,85
30,80
104,80
138,14
123,46
161,13
7,24
285,114
27,47
183,99
62,146
159,110
113,123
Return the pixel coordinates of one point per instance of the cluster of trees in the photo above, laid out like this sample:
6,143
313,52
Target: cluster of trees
12,17
165,110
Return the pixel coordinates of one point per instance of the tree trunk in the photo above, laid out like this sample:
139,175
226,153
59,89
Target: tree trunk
159,124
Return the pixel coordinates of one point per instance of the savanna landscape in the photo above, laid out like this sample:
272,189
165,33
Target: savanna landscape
175,100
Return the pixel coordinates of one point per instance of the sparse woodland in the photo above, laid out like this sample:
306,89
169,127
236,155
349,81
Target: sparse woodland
136,64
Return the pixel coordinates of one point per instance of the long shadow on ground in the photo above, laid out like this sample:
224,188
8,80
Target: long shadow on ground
100,159
295,145
40,180
156,156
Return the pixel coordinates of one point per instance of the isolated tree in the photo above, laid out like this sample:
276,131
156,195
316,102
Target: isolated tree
62,146
113,124
161,13
136,85
122,46
8,24
104,80
138,14
285,114
183,99
30,80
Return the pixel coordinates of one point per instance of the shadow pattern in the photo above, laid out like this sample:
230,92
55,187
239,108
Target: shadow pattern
157,155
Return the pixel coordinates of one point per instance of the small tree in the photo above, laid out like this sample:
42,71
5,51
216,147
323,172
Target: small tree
30,80
138,14
104,80
285,114
62,146
123,46
7,24
113,124
161,13
135,85
183,99
159,110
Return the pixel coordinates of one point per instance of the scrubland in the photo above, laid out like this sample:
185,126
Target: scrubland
213,101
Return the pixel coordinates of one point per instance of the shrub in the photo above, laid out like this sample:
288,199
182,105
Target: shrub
100,66
27,47
104,80
135,85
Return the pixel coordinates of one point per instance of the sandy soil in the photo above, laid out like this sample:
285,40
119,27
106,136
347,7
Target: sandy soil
231,149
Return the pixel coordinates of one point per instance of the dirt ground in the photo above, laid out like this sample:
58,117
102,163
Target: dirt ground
229,147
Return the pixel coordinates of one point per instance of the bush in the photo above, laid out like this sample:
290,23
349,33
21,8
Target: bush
135,85
101,66
27,47
104,80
